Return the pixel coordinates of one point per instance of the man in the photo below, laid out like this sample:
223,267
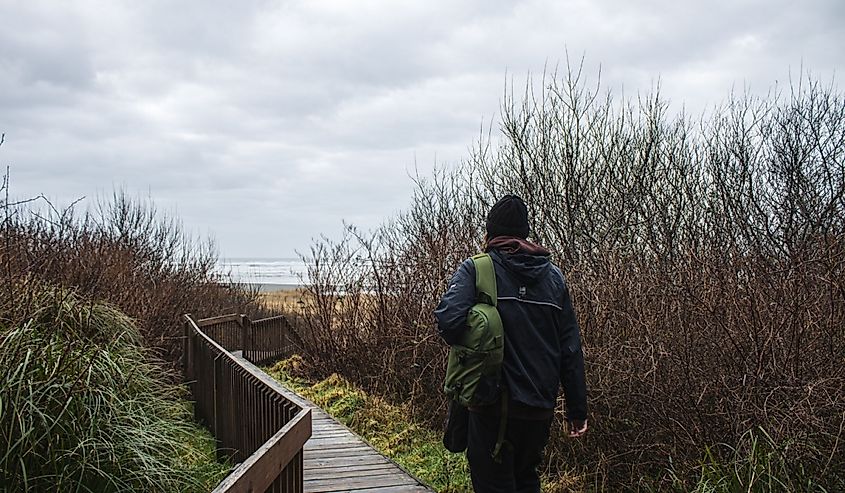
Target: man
542,352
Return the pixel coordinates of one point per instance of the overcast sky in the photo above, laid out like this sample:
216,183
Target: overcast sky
267,123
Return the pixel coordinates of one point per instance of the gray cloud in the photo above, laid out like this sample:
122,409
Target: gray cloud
267,123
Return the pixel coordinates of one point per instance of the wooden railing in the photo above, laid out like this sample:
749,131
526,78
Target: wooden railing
270,339
256,426
262,340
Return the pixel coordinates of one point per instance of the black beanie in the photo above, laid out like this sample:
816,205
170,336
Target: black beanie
508,217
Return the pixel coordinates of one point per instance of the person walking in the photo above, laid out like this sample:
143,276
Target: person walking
542,352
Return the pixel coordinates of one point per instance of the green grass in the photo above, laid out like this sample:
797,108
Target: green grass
84,408
757,464
385,426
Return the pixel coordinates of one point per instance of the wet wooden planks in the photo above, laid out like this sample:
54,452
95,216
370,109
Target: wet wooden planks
337,460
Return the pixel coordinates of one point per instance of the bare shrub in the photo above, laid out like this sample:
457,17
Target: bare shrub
125,253
705,260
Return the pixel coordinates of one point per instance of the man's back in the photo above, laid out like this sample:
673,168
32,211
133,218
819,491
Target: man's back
542,350
542,339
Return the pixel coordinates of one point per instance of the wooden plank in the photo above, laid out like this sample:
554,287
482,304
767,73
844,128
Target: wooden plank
327,422
335,441
341,484
393,489
360,449
357,471
328,435
329,462
332,443
349,452
330,438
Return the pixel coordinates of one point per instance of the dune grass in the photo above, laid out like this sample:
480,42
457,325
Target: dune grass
84,408
283,300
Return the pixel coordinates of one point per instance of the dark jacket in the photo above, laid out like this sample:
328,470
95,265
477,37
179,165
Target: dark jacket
542,338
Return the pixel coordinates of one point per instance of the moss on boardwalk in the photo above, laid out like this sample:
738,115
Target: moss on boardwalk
385,426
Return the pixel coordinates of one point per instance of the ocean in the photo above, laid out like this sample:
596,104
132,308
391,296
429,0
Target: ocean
266,271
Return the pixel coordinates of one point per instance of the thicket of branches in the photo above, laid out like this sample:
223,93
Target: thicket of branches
706,258
123,252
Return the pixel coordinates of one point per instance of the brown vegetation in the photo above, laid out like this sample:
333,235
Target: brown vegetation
124,253
706,261
283,301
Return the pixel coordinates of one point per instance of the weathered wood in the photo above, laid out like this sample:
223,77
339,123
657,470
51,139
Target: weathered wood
336,440
333,462
260,422
205,322
353,471
253,422
343,484
324,434
263,466
337,452
349,460
393,489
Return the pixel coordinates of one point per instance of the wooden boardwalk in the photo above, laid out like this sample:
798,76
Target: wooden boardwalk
337,460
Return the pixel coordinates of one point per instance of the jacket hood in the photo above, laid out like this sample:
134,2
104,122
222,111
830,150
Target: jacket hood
529,269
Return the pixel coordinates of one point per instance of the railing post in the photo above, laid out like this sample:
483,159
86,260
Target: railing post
246,335
187,351
215,393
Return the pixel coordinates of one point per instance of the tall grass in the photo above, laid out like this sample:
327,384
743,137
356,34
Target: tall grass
83,407
90,332
757,464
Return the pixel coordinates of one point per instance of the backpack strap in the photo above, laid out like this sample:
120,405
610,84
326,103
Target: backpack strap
503,427
485,279
486,292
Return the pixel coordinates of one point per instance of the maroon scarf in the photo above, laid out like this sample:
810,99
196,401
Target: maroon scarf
512,244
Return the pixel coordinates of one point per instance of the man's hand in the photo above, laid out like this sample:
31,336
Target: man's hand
577,428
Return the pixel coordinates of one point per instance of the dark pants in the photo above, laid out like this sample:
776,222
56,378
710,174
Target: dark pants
521,454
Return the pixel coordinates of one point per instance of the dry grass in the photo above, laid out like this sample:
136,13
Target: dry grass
284,301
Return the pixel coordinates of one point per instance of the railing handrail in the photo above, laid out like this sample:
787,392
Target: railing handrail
205,322
202,334
258,471
269,319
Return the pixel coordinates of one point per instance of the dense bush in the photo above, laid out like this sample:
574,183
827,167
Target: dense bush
126,253
84,408
87,398
706,260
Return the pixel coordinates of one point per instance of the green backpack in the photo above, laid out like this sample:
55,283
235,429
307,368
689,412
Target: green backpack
474,368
